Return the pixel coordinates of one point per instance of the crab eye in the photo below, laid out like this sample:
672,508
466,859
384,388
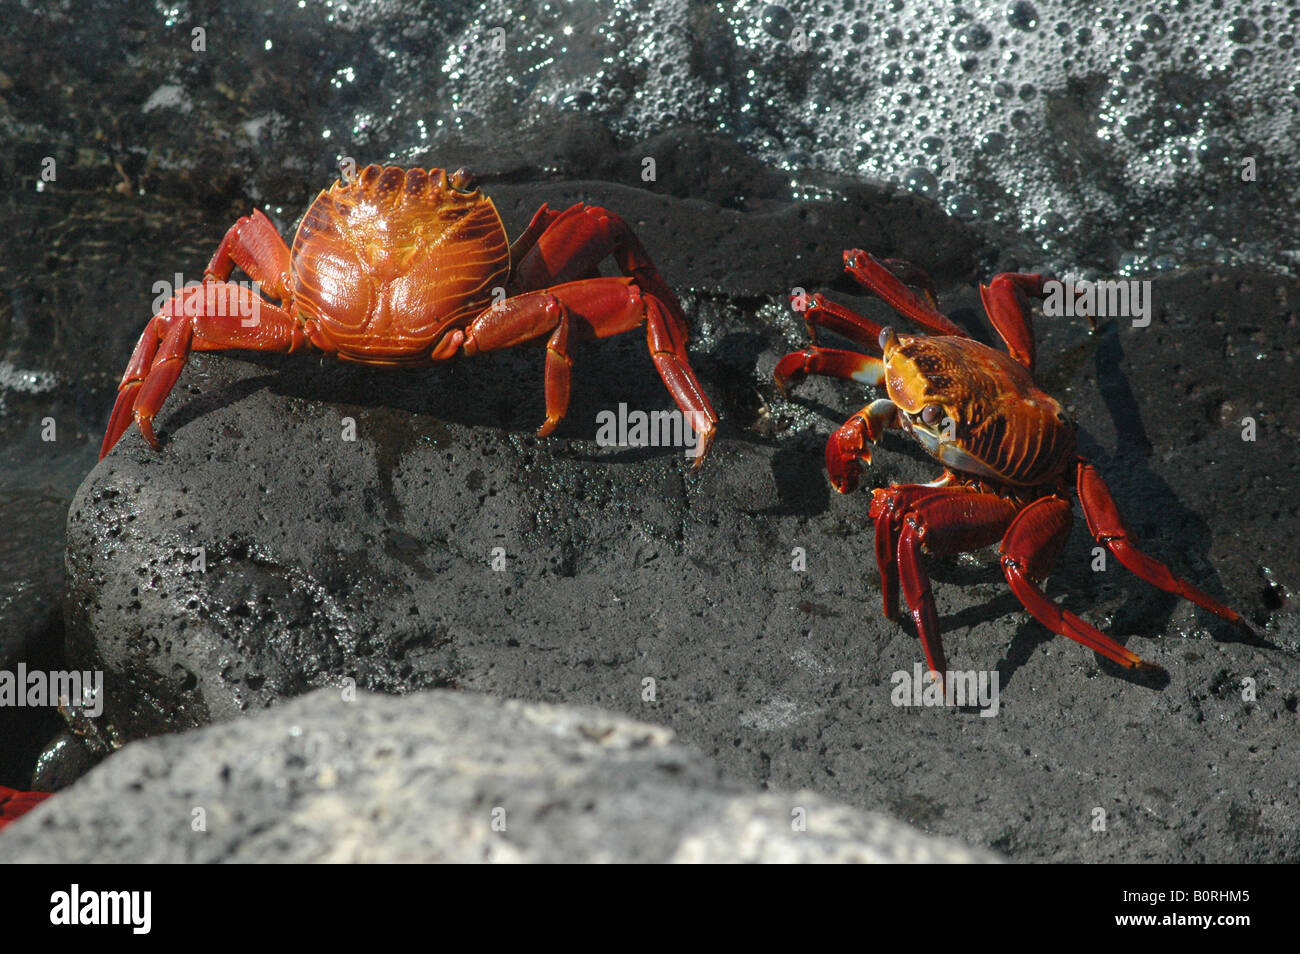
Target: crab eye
462,180
931,414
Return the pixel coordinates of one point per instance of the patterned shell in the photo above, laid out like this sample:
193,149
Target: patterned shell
386,264
1004,421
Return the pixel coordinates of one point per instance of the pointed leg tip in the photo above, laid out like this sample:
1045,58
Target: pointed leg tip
846,479
703,445
1232,616
146,431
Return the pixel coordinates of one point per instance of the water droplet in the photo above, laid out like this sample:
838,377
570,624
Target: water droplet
1214,152
1051,223
920,181
963,206
1242,30
1153,26
1130,73
777,21
1022,15
972,36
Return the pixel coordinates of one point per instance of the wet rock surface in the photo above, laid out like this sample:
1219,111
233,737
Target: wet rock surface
327,560
443,777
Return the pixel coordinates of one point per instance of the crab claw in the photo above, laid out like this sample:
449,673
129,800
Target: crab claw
844,450
848,445
790,370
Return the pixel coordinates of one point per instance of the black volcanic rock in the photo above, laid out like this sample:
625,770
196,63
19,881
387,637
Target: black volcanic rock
327,560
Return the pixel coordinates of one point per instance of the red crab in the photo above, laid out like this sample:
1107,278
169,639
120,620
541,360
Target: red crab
407,267
14,804
1008,450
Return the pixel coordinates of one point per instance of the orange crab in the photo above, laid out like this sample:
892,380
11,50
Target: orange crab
403,267
1008,450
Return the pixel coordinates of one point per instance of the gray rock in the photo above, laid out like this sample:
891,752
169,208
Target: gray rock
442,777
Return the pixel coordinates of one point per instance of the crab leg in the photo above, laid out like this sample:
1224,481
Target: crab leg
877,276
889,505
573,242
594,308
211,316
221,315
520,247
1006,302
912,275
254,245
1029,550
14,803
944,523
1107,525
569,247
820,312
666,339
832,362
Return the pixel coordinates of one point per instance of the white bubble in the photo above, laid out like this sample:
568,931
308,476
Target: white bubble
920,181
1022,15
1118,118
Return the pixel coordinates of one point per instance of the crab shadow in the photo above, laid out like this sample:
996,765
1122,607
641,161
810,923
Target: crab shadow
502,391
1164,528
